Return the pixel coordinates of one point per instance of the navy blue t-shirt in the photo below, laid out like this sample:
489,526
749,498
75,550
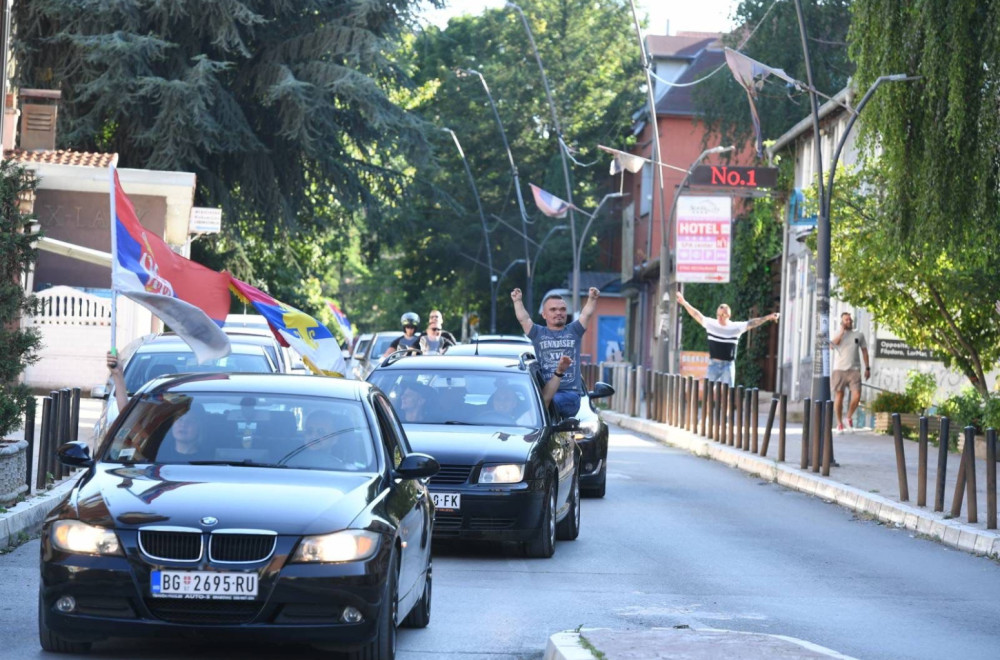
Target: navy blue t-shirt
550,345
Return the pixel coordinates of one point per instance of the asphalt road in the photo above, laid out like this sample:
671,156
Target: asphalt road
678,540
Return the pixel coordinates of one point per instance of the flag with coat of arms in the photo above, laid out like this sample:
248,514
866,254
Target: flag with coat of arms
191,299
292,327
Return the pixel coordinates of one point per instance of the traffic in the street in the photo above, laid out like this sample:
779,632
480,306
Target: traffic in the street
677,541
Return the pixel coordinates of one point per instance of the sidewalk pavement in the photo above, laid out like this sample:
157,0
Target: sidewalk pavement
866,482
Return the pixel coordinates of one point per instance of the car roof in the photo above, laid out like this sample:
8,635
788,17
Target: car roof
492,349
170,343
484,339
450,362
294,384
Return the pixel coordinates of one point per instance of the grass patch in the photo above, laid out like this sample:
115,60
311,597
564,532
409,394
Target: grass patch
586,643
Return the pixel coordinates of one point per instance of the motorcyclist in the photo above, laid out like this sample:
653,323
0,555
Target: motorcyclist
408,340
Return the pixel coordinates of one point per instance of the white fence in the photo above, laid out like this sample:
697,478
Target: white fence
76,334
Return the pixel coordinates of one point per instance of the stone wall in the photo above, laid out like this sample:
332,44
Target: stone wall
13,467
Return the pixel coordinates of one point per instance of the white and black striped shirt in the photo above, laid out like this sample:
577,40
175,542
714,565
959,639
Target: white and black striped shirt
722,339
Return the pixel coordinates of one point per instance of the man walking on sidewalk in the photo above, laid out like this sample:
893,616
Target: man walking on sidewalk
723,337
848,347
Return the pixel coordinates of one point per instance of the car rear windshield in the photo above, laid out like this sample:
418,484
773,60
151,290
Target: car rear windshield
144,367
479,398
245,429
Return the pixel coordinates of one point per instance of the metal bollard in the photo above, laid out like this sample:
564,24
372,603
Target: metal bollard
732,416
65,417
970,474
29,436
827,439
942,464
960,478
782,420
720,413
43,442
682,403
897,434
754,418
706,395
55,433
806,418
817,433
74,414
991,478
716,411
708,429
693,412
724,415
770,423
739,417
922,464
747,403
678,406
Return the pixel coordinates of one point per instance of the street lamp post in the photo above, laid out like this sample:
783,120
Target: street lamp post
517,180
668,303
562,151
486,233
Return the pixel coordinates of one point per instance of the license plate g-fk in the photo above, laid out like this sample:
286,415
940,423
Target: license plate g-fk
447,501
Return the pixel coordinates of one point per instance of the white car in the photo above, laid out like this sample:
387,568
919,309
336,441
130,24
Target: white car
253,328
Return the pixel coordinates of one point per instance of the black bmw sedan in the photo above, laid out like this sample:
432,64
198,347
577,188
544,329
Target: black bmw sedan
266,506
509,467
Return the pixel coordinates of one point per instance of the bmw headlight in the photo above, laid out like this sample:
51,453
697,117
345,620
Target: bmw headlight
348,545
507,473
80,538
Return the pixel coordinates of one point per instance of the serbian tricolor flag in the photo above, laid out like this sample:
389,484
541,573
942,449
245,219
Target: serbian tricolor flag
191,299
549,204
313,340
342,321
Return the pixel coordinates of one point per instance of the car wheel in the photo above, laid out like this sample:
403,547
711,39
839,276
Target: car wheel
383,647
601,487
53,643
544,543
569,527
420,615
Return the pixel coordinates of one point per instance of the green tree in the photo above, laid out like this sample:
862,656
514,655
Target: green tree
926,292
775,41
920,249
17,345
592,64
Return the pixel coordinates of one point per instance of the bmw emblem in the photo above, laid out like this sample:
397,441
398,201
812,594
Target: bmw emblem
208,521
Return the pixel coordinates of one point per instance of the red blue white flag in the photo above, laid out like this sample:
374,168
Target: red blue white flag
549,204
342,321
310,338
191,299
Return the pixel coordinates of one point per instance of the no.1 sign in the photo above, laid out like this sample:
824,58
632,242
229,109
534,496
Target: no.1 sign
703,232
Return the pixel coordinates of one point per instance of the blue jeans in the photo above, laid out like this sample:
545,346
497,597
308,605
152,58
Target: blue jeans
567,402
721,371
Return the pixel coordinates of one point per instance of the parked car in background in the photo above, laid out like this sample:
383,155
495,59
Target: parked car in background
486,339
310,524
156,355
509,472
255,325
592,434
368,350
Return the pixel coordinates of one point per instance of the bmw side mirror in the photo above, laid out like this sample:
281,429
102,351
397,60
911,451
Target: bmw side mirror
75,454
417,466
568,424
601,390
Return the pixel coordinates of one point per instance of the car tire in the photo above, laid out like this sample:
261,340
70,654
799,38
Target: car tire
543,545
569,527
383,647
53,643
420,615
598,490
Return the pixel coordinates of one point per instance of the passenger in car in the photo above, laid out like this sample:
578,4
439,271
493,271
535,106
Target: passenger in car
507,404
412,401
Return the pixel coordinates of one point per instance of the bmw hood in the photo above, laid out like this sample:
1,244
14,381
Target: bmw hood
470,445
286,501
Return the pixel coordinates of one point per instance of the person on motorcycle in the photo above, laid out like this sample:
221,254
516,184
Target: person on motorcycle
408,340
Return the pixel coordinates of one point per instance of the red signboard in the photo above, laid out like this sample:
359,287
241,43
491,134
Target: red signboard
723,176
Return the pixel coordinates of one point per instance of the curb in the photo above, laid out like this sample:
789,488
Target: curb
950,532
671,643
27,516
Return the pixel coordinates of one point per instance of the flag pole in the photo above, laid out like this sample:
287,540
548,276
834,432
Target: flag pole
114,255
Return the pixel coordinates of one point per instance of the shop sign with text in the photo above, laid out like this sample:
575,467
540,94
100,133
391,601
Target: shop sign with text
702,237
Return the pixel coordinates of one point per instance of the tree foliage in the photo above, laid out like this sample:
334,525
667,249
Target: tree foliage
776,42
591,60
17,345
